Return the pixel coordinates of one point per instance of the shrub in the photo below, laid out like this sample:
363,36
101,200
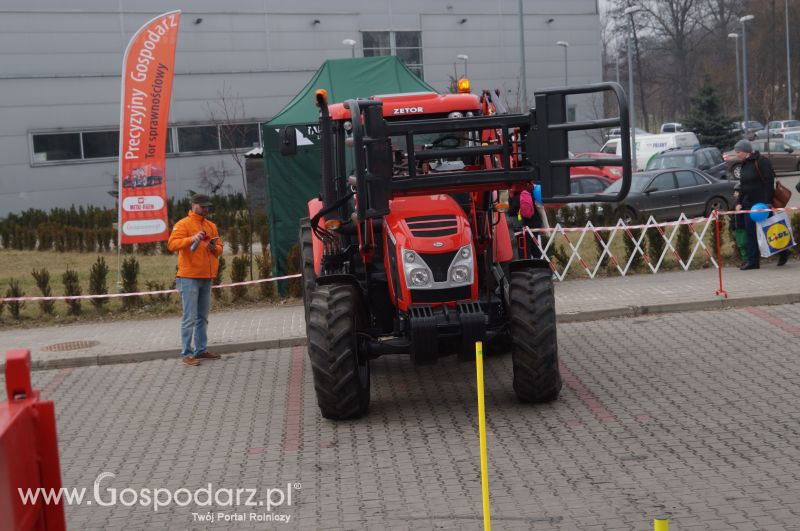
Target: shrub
244,231
218,293
42,278
795,220
560,255
239,274
157,286
264,263
630,246
72,287
655,244
130,282
14,290
233,239
98,282
293,266
683,242
713,230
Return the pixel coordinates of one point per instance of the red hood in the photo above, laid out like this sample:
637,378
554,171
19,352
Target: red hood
428,224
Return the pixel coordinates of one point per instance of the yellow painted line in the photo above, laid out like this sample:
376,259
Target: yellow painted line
487,522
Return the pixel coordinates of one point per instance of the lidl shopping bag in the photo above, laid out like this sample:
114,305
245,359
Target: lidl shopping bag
774,234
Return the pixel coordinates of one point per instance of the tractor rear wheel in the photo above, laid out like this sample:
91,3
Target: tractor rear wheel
341,372
533,333
307,258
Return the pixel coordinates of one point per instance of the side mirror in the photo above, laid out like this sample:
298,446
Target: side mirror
651,190
704,167
789,149
288,139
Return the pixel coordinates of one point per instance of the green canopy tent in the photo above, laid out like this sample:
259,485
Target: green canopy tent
293,180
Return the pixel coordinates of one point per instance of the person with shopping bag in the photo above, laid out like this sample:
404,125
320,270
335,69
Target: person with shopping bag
757,186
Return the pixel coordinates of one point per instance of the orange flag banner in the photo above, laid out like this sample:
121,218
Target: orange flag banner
147,73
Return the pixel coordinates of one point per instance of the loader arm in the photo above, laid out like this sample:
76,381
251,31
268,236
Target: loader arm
542,156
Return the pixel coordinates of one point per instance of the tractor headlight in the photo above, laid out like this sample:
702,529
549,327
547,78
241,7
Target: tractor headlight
415,270
420,277
455,114
460,271
459,274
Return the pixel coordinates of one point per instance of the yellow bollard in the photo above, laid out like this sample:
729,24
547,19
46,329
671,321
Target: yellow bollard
661,523
487,522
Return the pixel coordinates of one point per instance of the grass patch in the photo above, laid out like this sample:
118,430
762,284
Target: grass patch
156,269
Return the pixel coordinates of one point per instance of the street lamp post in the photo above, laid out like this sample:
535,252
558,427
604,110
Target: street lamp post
788,63
565,45
352,44
743,21
735,36
630,11
464,58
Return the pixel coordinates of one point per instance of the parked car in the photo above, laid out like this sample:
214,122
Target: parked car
747,129
777,127
672,127
649,145
783,153
584,180
706,158
664,194
587,183
614,132
611,172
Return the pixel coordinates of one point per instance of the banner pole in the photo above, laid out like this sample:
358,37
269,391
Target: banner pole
487,521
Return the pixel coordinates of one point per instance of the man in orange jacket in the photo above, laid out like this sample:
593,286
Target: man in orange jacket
199,247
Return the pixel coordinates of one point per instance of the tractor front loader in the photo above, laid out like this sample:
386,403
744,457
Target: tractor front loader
407,251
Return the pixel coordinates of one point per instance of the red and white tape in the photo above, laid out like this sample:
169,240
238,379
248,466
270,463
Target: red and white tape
686,221
139,293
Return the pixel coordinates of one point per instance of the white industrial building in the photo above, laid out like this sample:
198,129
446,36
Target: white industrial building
60,64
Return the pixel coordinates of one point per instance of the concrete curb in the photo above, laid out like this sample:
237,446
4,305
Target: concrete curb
563,318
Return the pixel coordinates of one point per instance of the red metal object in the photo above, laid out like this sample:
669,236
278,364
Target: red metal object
721,291
28,451
405,105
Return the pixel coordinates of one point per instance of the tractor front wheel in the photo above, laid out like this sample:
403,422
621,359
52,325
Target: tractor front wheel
533,333
341,372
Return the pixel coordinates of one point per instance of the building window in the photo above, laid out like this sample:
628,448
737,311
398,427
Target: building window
100,144
376,43
239,136
198,138
406,45
58,146
49,148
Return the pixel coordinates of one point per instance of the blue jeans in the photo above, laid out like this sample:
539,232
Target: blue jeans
196,297
753,254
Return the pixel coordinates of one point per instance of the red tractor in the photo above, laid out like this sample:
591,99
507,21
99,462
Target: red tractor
407,250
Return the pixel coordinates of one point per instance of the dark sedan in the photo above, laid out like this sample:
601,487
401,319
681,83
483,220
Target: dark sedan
664,194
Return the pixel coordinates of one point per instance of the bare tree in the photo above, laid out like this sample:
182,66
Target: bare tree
228,112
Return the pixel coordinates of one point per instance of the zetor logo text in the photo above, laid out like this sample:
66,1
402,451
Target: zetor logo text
408,110
157,498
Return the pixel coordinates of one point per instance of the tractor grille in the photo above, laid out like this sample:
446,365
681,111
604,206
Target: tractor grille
419,296
432,226
439,264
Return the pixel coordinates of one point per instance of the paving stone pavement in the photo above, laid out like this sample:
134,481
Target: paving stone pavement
690,415
283,325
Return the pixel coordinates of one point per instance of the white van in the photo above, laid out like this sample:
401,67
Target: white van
649,145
